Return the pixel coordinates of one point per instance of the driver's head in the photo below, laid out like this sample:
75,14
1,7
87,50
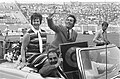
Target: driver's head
52,57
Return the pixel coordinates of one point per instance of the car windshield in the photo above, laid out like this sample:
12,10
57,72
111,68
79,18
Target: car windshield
93,62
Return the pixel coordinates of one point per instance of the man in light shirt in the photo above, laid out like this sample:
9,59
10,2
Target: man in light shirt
101,36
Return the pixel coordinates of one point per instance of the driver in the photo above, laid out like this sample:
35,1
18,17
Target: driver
51,66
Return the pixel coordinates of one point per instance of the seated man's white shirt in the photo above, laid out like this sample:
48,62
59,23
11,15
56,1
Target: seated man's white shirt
100,36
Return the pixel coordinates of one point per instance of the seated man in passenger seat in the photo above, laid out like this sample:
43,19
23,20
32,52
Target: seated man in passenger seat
48,66
51,65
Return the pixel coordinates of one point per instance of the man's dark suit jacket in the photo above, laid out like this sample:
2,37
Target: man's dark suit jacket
61,33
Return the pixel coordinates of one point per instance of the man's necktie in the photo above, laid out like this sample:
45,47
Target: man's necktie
68,33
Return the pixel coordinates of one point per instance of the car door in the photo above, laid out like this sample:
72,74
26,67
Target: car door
9,73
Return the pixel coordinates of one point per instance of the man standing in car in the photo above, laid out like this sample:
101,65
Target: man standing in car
63,34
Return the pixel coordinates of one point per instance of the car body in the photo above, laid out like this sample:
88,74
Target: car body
13,73
84,57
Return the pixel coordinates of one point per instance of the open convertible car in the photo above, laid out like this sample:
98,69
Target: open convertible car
79,62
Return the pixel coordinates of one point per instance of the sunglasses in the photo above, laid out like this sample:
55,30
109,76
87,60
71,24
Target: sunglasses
53,58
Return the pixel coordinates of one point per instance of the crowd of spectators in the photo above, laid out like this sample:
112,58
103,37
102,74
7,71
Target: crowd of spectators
86,12
10,13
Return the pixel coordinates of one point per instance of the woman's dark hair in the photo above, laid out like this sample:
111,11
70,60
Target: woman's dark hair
105,23
36,15
72,17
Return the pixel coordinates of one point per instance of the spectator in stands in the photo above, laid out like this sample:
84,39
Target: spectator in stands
32,40
24,30
1,33
101,36
63,34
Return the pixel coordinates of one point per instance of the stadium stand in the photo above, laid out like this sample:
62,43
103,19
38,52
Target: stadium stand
86,13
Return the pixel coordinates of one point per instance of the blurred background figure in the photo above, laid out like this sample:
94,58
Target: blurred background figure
1,33
101,36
